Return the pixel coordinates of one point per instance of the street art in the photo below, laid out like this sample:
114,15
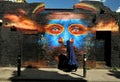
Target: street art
77,26
59,31
62,26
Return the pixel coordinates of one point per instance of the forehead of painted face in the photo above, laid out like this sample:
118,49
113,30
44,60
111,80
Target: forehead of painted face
66,15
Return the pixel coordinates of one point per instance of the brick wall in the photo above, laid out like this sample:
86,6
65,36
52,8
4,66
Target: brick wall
115,51
10,47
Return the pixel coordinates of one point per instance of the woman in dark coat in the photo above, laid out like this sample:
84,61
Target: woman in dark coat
67,60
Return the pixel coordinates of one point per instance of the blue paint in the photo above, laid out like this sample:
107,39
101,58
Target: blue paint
66,35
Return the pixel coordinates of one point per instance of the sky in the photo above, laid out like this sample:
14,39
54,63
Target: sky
114,5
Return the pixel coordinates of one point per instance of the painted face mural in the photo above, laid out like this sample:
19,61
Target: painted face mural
68,27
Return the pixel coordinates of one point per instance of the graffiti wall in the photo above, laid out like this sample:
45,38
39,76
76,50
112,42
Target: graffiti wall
43,32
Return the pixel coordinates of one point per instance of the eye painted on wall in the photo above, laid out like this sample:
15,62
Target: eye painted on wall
54,29
77,29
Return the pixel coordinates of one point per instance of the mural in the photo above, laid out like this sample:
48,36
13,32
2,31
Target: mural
68,28
54,28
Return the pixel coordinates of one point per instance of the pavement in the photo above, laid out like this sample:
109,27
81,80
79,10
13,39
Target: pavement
9,74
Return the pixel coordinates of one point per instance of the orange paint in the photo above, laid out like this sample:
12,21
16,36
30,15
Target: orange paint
21,22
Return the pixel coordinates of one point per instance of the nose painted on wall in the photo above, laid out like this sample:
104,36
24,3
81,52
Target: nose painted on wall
62,40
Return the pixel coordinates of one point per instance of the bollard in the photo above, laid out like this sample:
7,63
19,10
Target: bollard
84,65
19,65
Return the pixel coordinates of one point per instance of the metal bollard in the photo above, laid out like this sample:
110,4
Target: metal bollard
84,65
19,65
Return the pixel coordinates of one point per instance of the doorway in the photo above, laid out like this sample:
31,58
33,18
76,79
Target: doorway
106,37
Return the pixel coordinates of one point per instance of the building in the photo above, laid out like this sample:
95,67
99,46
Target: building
14,43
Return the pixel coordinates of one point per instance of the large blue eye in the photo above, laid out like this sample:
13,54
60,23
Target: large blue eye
77,29
54,29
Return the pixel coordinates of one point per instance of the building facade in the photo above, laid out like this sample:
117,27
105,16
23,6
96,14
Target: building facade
36,34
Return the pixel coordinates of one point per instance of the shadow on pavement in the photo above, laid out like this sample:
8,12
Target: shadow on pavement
115,74
37,75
